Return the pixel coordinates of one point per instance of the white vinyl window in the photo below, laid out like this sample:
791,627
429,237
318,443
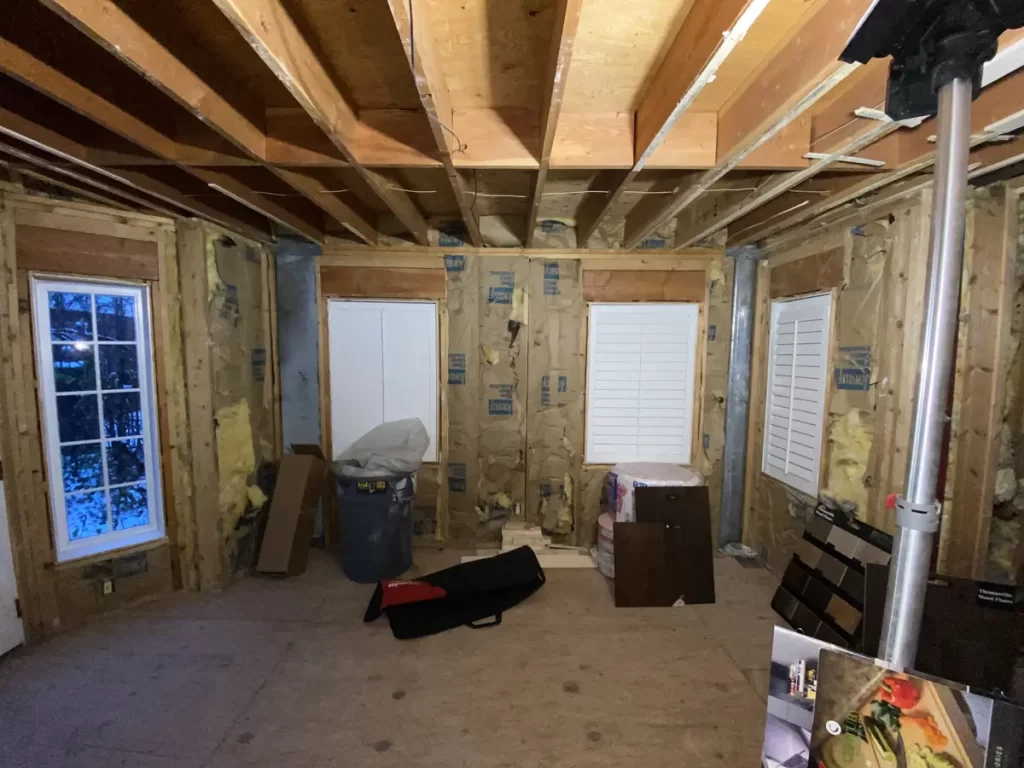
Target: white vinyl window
94,350
383,365
640,382
797,382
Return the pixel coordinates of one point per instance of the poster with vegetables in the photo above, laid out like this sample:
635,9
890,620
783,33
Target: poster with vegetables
868,717
792,690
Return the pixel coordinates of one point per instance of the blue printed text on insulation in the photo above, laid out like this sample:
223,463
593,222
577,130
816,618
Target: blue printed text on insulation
450,239
454,262
551,278
545,388
854,371
501,403
457,369
502,292
457,478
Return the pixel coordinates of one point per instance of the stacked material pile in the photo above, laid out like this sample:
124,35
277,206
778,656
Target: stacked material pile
516,534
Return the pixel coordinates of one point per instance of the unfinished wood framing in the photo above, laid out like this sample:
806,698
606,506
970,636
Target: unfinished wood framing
381,283
986,305
567,19
413,24
40,235
708,36
792,83
620,285
272,33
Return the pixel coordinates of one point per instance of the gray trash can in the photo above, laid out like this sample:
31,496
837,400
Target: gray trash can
375,514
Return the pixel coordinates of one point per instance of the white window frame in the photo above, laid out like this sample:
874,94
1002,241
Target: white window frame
66,549
433,453
594,454
809,308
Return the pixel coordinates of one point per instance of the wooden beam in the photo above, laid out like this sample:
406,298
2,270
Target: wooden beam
801,73
563,37
412,20
83,179
228,185
267,27
868,135
42,138
58,86
75,189
998,102
990,249
984,160
111,27
322,197
116,31
711,31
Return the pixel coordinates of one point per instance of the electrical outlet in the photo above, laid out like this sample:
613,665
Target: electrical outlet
108,587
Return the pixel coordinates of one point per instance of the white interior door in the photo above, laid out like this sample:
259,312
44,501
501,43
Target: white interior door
12,633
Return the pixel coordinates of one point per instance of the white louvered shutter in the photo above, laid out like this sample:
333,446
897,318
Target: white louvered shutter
640,382
797,381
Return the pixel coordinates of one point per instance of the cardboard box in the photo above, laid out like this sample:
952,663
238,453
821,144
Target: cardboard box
300,485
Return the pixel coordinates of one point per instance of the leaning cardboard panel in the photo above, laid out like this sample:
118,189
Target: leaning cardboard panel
300,484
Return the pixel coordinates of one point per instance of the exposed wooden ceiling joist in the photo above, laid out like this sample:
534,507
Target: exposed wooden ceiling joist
841,133
225,183
801,73
414,28
267,27
125,38
58,171
983,160
567,19
68,151
997,103
37,74
21,169
711,31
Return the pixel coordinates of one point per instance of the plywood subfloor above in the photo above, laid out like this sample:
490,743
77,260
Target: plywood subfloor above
358,43
777,23
618,47
493,52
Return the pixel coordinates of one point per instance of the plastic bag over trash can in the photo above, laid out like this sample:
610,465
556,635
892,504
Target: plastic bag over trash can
393,448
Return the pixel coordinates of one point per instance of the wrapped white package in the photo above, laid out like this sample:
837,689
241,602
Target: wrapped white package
623,478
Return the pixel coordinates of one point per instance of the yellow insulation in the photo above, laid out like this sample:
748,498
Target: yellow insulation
850,442
236,460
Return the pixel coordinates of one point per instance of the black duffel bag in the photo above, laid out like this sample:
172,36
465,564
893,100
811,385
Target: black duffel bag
473,594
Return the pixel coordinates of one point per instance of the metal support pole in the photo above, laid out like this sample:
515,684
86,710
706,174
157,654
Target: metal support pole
918,511
737,402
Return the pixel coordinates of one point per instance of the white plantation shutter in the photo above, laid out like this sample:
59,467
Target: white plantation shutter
640,382
797,381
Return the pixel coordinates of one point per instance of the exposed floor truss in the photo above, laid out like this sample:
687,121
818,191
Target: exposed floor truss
653,123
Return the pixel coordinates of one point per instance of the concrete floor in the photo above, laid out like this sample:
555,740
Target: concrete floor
283,673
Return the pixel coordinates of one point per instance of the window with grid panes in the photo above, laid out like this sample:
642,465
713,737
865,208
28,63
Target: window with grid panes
94,351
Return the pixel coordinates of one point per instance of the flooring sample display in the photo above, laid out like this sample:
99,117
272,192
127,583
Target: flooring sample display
971,631
822,590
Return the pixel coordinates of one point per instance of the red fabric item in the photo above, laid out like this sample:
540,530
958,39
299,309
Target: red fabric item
396,592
